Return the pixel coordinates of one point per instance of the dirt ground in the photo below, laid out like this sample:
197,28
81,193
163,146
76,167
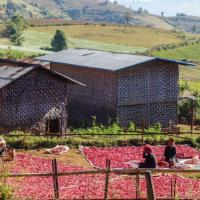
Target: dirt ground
72,157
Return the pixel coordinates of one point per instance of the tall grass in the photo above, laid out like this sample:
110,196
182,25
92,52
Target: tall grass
16,55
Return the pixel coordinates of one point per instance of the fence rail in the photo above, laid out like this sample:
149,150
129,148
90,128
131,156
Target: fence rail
180,135
127,133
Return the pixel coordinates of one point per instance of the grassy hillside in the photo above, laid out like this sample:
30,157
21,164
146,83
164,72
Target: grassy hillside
24,8
154,21
82,10
92,10
139,37
190,53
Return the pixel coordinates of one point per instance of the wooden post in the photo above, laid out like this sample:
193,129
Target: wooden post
192,117
137,185
107,179
174,189
48,123
150,186
55,179
142,133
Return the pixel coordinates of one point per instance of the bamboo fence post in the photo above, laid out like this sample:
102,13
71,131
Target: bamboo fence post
137,185
150,186
53,171
107,179
142,133
192,117
174,189
55,178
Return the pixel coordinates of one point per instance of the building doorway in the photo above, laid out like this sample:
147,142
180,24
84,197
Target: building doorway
53,125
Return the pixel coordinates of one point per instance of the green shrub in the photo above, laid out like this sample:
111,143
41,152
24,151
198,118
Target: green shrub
6,191
16,55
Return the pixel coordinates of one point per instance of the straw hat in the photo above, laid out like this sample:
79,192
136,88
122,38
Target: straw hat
2,141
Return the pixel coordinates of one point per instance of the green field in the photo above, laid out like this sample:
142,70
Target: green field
194,85
118,35
190,53
128,39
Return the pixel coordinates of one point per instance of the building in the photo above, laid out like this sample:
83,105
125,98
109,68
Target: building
32,96
128,87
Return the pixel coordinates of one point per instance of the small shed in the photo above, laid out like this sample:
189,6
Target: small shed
33,96
129,87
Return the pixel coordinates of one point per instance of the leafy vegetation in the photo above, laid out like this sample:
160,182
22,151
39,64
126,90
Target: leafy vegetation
6,191
59,41
186,53
16,55
97,135
14,30
185,106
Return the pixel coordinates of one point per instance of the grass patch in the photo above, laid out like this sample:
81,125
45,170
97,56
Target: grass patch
194,85
190,53
132,37
16,55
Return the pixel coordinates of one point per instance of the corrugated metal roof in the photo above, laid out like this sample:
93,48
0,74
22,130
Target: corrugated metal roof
10,72
100,59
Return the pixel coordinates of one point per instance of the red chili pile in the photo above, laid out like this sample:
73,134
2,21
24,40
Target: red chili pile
90,186
121,156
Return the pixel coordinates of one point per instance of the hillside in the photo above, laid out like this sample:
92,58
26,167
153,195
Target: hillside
101,11
154,21
19,6
135,37
185,23
84,10
119,38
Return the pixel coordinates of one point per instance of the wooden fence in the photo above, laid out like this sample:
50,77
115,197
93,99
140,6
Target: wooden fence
142,134
133,172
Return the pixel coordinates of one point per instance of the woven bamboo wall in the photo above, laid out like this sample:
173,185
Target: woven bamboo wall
28,99
148,93
97,98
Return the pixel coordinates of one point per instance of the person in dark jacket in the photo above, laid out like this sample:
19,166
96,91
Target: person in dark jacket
150,159
170,152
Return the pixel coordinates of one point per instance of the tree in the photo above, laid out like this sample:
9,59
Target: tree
194,28
11,8
15,28
127,17
59,41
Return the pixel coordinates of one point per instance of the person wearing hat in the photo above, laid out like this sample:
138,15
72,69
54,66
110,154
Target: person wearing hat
150,159
2,146
170,152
